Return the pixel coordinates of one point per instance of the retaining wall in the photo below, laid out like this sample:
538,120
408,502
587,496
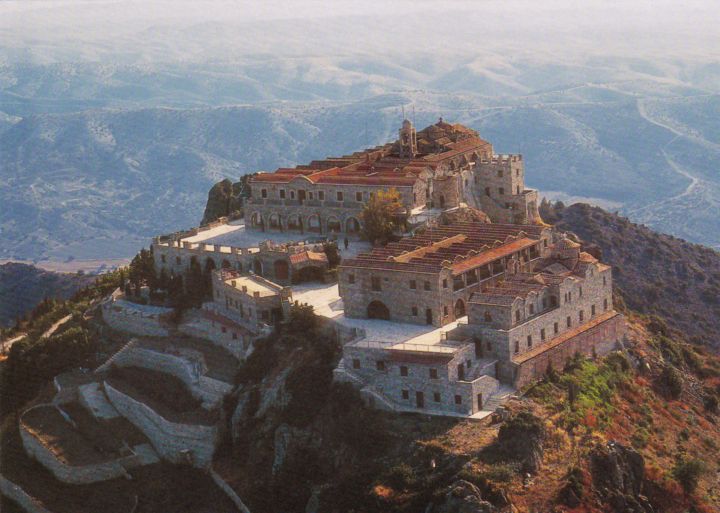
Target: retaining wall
120,315
172,441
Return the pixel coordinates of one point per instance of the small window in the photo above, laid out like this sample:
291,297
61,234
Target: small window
444,283
178,260
542,334
292,194
234,335
380,365
581,315
529,340
414,311
433,374
604,281
605,304
426,285
375,283
310,195
403,370
556,328
351,278
500,173
162,258
413,284
568,321
517,315
436,397
592,310
517,346
263,193
445,310
501,191
358,196
321,195
339,195
356,363
405,394
532,309
458,399
282,193
581,295
488,317
468,364
487,191
223,329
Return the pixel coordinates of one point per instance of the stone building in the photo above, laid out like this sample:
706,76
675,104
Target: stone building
533,300
429,278
440,167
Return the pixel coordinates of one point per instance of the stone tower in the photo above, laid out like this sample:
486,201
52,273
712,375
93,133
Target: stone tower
408,140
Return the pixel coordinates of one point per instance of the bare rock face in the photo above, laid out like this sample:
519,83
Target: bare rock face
223,200
618,473
464,214
521,439
464,497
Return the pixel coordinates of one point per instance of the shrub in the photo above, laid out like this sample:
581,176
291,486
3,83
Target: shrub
501,472
671,381
687,472
400,477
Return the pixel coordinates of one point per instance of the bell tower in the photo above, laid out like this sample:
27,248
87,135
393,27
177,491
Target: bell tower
408,140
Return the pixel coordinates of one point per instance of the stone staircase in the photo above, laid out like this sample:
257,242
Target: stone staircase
108,363
501,395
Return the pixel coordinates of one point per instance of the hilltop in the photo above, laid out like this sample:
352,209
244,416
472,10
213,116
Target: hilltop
655,274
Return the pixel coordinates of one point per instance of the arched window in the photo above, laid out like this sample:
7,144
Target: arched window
488,317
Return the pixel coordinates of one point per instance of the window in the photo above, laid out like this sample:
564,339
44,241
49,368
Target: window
321,195
580,291
380,365
458,399
162,258
487,191
604,281
500,173
351,278
405,394
517,172
529,340
488,317
414,311
403,370
501,191
568,321
444,283
178,260
426,285
556,328
468,364
356,363
263,193
592,311
518,189
339,195
433,374
569,297
358,196
234,335
517,346
375,283
542,334
581,315
445,310
436,397
517,315
553,301
223,329
292,194
310,195
605,304
282,193
413,284
532,309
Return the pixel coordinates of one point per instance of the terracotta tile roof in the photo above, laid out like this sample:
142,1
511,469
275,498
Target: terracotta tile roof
308,256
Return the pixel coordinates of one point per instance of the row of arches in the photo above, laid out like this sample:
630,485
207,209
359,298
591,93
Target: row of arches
312,223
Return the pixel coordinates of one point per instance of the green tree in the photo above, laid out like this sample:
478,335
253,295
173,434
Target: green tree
380,216
142,271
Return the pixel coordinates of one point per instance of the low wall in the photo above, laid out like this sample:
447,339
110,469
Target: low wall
73,474
201,328
597,341
20,497
172,441
120,315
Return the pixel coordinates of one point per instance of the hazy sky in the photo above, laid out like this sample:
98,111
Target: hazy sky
63,30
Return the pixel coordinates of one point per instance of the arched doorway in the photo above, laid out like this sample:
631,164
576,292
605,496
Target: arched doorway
378,310
257,267
275,221
226,264
256,220
314,223
459,309
293,222
282,270
333,225
442,201
352,225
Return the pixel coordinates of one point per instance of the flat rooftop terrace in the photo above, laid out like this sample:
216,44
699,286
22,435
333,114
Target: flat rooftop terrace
253,285
326,302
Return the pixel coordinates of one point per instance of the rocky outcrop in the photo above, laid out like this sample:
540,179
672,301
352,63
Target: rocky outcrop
463,497
223,200
618,473
521,439
464,215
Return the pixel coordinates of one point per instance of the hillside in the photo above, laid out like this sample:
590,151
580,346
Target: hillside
656,274
24,286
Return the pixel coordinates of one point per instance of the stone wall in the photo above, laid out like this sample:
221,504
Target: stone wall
177,443
123,316
20,497
597,341
74,474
